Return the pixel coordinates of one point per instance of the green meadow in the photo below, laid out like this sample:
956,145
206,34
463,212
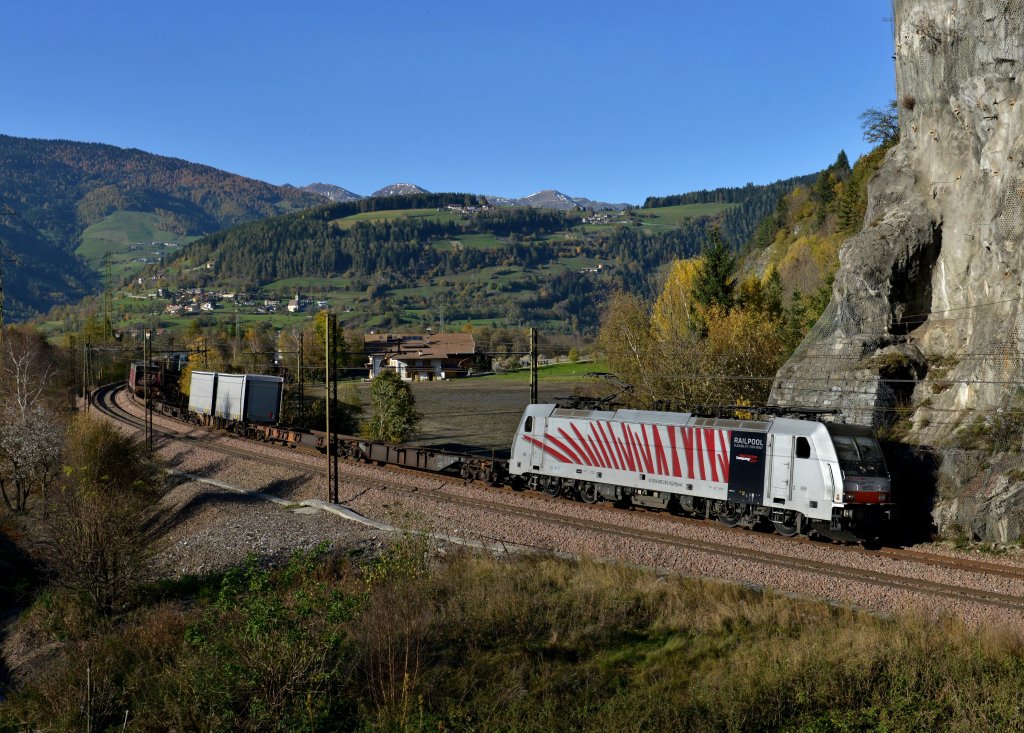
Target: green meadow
673,216
113,235
443,216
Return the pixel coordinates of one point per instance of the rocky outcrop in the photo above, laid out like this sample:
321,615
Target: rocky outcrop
938,266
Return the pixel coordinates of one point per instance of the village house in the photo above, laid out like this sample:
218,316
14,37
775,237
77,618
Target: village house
420,357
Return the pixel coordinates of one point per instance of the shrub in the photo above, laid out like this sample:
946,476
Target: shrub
93,537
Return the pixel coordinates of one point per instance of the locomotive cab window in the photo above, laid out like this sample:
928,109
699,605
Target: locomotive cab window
859,455
803,448
529,424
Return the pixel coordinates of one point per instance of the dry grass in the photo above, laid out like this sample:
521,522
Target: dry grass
471,642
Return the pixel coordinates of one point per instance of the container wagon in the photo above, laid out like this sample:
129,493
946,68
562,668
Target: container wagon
228,399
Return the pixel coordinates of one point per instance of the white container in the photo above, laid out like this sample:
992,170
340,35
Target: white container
229,402
202,390
248,398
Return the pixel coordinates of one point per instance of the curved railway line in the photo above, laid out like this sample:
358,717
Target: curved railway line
962,583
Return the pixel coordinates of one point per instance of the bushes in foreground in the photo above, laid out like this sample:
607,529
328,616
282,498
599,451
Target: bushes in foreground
477,643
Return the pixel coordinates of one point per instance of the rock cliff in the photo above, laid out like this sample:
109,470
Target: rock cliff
926,324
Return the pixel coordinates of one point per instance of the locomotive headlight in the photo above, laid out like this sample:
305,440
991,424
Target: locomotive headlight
839,496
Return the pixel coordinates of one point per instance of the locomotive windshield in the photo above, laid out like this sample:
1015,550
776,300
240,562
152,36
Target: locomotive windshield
859,455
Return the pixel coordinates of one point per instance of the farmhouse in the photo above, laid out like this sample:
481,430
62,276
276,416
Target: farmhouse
419,357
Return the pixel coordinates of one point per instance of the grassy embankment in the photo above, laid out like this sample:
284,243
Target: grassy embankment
470,642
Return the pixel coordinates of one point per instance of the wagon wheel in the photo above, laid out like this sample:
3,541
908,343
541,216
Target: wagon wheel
787,527
728,513
588,493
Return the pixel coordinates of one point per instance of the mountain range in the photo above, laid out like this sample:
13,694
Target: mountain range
546,199
67,207
55,193
331,192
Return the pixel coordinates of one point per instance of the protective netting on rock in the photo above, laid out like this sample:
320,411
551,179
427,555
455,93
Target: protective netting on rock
942,45
962,31
1009,223
1003,363
831,367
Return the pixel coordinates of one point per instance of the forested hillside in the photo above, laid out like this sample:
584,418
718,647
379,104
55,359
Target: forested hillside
753,204
57,189
723,324
37,274
398,260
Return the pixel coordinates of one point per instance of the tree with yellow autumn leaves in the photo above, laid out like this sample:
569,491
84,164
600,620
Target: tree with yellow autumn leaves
709,339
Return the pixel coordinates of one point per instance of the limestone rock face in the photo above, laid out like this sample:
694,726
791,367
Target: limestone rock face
939,263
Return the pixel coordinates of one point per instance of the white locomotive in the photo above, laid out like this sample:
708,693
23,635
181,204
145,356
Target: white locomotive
803,476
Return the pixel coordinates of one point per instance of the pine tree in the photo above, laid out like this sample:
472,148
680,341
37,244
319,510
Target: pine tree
713,282
842,166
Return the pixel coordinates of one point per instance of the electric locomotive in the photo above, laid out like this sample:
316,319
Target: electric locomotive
802,476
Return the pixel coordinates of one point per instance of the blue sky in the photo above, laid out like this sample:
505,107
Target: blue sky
613,101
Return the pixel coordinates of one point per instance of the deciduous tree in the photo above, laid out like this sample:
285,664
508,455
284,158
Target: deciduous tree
629,346
395,417
31,430
674,311
881,126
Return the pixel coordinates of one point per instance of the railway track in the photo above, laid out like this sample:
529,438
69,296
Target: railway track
892,569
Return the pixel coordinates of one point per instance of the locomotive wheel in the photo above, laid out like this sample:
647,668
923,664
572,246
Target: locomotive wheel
727,514
552,488
785,528
588,493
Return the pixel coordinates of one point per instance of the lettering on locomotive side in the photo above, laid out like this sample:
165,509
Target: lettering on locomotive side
746,479
666,482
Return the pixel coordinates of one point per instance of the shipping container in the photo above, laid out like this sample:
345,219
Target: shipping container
262,398
202,390
248,398
230,397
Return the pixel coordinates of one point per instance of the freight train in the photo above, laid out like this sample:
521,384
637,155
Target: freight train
799,476
160,376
